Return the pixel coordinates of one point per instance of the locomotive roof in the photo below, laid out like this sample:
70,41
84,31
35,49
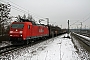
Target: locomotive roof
22,23
26,20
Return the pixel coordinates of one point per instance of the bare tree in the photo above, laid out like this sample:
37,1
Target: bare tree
4,16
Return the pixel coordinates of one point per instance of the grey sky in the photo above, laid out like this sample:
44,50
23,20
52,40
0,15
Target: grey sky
58,11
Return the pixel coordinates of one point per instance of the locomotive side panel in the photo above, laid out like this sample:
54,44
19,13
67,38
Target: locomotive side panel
27,31
34,31
46,31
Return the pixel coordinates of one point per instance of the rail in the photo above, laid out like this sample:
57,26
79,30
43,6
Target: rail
84,39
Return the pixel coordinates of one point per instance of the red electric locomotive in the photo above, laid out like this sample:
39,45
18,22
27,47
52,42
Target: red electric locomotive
24,32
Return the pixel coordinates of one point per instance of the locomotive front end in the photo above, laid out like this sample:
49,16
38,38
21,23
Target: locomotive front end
16,32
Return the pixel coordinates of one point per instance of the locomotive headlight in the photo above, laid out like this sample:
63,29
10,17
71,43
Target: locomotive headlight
11,31
21,32
10,35
21,35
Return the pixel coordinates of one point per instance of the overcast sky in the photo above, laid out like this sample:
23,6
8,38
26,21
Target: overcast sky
58,11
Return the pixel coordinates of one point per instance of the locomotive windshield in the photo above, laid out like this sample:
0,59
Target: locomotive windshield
17,25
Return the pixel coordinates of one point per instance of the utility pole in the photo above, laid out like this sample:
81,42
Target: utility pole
85,27
81,28
61,26
47,21
68,26
77,28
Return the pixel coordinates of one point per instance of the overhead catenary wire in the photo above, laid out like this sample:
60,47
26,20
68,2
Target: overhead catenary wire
81,21
28,11
23,10
16,8
85,19
17,5
74,23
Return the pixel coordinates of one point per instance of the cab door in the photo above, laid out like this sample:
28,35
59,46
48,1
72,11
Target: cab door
29,31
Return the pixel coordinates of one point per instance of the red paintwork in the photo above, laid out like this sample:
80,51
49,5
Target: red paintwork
34,31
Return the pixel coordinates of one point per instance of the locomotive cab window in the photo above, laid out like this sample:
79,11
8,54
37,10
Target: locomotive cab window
17,25
28,26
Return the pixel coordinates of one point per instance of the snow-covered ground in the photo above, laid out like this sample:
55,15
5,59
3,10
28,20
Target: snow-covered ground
5,43
57,48
83,53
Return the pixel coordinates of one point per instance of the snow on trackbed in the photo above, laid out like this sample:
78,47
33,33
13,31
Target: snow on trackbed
60,49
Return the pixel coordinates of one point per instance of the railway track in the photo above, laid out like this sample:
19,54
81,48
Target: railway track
84,34
11,48
11,52
84,40
6,52
7,49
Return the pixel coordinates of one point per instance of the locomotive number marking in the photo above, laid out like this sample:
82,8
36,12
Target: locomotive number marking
41,30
